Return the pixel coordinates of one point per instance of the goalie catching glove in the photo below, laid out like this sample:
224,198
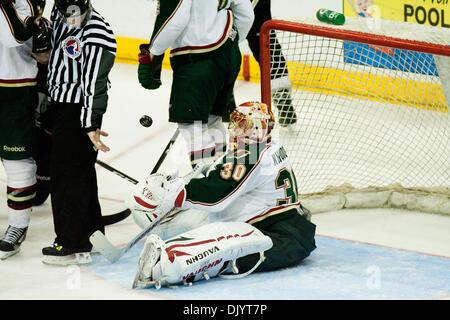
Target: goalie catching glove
156,196
149,71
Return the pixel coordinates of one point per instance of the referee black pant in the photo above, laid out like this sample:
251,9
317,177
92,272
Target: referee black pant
74,194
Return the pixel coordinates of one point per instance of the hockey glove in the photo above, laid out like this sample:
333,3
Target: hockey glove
42,113
156,196
33,22
42,37
149,70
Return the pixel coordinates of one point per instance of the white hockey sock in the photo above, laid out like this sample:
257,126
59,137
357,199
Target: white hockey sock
204,141
21,190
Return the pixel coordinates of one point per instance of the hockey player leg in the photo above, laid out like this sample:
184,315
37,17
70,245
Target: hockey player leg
282,99
218,132
20,194
202,253
200,142
43,167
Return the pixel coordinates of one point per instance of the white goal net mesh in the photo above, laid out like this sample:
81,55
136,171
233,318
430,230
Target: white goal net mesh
372,122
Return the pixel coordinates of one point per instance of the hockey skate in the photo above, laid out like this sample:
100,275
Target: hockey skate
59,255
10,244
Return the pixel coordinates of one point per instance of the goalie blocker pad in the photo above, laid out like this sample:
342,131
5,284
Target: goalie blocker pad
199,254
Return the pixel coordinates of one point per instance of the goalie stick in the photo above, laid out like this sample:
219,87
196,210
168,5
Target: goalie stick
113,254
119,216
155,168
115,171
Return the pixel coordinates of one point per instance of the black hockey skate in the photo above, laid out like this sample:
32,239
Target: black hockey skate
59,255
10,244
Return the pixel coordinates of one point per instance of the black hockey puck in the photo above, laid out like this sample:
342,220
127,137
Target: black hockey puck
146,121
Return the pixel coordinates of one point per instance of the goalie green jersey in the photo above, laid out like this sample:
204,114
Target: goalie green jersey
249,184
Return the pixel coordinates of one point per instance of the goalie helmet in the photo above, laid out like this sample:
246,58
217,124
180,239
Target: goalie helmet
74,12
250,122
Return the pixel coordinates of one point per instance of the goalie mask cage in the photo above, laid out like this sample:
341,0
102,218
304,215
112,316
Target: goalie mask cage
373,126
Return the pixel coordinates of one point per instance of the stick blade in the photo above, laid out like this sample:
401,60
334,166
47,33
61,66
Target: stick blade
102,244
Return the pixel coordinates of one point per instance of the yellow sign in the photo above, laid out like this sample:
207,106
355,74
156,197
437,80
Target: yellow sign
429,12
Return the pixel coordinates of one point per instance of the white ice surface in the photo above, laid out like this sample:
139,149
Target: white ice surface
134,150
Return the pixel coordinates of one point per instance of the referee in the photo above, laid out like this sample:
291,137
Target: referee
83,54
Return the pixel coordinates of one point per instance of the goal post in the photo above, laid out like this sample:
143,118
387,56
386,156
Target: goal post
371,100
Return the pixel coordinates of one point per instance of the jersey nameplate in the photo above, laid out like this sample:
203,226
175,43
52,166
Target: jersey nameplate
279,156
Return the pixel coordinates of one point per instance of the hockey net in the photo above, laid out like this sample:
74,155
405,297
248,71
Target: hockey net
372,106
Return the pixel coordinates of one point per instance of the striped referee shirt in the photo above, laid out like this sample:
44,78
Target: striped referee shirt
79,66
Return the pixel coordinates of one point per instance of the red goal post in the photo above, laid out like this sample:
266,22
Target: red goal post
368,134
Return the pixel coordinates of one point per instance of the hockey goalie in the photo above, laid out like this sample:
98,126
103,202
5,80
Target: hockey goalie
241,216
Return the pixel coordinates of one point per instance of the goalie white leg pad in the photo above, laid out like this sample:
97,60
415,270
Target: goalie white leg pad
176,223
198,254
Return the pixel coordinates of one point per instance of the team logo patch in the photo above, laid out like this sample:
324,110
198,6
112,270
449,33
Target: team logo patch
72,47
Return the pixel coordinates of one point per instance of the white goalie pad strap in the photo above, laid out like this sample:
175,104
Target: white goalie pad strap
202,252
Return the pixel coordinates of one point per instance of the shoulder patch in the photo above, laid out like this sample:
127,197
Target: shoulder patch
72,47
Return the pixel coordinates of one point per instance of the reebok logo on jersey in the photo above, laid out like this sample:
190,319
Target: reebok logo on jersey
72,47
14,149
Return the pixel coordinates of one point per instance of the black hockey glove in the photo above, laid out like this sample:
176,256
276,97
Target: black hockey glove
42,38
42,116
38,8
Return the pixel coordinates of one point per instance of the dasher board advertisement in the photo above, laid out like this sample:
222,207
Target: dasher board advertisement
429,12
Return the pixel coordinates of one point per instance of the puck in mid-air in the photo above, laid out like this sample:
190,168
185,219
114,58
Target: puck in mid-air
146,121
